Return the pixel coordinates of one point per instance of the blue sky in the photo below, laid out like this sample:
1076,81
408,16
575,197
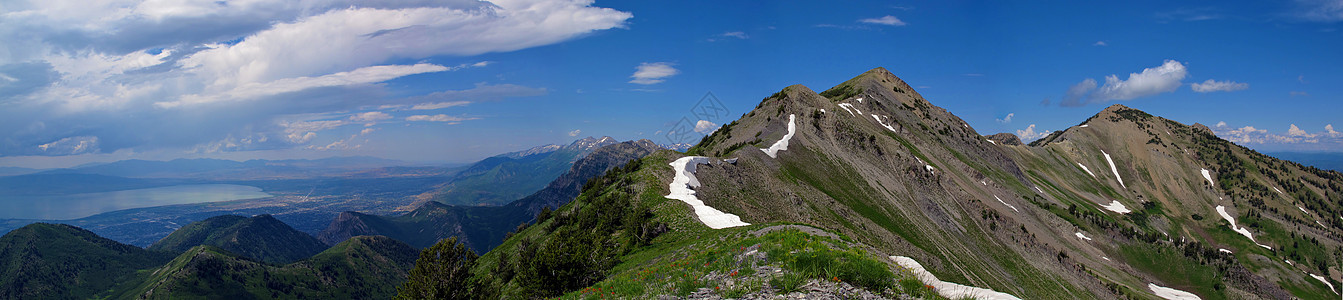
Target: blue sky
456,81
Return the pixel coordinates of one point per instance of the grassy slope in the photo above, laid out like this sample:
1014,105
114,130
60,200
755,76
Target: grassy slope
359,268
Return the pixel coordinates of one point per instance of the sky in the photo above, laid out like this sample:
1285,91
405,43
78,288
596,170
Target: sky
456,81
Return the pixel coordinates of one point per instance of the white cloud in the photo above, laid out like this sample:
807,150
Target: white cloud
653,73
1007,119
345,39
439,118
1221,123
1218,86
1029,135
372,116
730,34
1100,43
886,20
438,105
1329,131
1297,132
575,132
1320,10
705,127
367,131
71,145
118,70
1295,135
363,75
1151,81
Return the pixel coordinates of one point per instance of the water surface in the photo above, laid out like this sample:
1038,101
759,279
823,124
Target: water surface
65,207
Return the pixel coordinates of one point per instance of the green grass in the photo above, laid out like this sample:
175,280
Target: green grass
1174,269
715,262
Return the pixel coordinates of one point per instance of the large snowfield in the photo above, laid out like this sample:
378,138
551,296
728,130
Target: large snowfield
948,289
682,188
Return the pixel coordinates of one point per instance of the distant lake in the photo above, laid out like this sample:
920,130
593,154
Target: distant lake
66,207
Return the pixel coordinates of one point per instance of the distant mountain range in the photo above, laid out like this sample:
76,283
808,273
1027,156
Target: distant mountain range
483,227
503,178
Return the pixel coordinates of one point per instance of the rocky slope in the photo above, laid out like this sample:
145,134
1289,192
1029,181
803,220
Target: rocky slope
1119,206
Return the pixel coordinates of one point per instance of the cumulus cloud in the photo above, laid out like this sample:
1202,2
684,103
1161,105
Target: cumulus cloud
1221,123
1151,81
1297,132
1007,119
1210,85
1029,135
705,127
1250,135
245,75
653,73
575,132
885,20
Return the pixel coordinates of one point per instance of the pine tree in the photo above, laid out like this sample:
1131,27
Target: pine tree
441,272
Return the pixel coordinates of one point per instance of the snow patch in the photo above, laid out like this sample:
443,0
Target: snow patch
1115,206
1208,176
1113,169
847,108
1085,125
822,110
683,188
991,142
1325,281
1084,168
929,168
1276,189
1221,210
1224,250
948,289
1172,294
1037,188
1082,236
782,144
860,99
883,124
1302,210
1000,200
1106,258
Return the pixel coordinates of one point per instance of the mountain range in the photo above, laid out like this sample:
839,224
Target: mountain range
864,190
506,177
